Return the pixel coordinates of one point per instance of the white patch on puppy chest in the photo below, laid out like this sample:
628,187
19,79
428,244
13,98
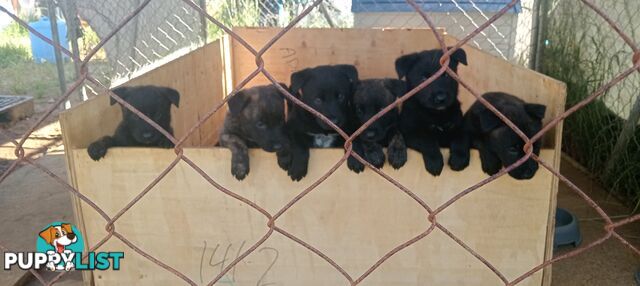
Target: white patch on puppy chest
323,140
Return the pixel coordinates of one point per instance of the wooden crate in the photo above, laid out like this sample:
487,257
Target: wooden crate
354,219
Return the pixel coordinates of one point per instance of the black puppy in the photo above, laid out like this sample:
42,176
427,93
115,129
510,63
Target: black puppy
255,119
432,118
498,144
154,102
371,96
328,90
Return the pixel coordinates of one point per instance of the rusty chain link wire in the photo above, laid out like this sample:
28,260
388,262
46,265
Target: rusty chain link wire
431,213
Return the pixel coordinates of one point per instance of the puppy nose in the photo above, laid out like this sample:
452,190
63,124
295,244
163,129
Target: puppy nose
71,235
147,135
440,97
370,134
277,146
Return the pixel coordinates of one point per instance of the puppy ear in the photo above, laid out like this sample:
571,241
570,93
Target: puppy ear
350,71
172,95
535,110
122,92
396,86
237,102
48,234
298,79
67,227
405,63
488,121
459,56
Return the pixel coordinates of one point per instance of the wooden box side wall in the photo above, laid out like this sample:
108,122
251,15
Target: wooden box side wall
201,77
306,48
189,224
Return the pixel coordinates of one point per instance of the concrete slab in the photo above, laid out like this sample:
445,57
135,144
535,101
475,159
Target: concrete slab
610,263
29,200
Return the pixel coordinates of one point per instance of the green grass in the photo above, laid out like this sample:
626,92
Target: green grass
15,30
29,78
13,54
239,13
19,75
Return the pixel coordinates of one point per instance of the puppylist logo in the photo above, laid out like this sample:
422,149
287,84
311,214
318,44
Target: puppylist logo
59,248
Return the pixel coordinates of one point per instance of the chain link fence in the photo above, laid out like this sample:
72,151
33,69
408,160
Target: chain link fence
581,51
477,34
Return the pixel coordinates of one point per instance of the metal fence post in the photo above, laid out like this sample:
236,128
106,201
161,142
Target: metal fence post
541,33
203,21
56,39
70,12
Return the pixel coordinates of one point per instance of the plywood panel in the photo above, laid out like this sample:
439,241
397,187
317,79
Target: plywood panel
372,51
354,219
89,121
199,77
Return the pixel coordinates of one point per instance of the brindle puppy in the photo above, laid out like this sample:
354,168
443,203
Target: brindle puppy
255,119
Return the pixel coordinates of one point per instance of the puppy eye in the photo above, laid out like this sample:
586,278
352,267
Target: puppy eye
57,235
340,96
64,232
317,101
261,125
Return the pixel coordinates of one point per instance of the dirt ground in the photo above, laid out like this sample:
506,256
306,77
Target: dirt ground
42,199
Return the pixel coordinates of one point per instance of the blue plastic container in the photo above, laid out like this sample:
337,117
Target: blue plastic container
41,50
567,229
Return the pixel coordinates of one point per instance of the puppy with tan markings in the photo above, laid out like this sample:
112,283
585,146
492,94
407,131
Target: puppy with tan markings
59,237
499,146
370,97
154,102
432,118
256,118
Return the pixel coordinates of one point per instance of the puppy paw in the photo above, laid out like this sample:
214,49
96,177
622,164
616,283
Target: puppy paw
458,162
165,143
297,171
397,152
240,170
397,157
284,161
490,169
376,158
97,150
355,165
434,165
